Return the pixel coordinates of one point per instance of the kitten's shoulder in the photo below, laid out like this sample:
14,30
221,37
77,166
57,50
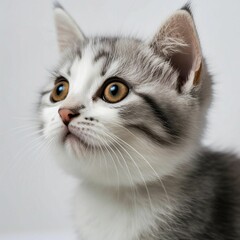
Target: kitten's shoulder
218,175
209,161
221,169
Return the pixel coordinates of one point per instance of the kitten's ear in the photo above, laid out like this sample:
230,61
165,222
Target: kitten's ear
177,41
68,31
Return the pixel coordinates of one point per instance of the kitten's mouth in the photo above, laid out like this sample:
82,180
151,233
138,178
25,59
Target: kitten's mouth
66,136
73,138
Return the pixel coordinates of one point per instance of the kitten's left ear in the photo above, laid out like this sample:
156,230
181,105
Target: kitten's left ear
177,41
68,31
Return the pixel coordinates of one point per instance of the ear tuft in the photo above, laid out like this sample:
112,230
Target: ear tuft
68,31
56,4
187,8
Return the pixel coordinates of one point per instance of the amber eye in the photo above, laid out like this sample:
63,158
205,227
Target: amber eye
60,91
115,92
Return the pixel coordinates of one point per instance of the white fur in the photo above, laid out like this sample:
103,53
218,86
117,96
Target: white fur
105,214
106,207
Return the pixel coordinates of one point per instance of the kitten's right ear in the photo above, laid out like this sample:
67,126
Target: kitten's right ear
67,29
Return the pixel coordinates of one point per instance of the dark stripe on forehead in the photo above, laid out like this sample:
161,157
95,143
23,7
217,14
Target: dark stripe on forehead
79,53
107,40
101,54
107,64
108,54
160,115
149,133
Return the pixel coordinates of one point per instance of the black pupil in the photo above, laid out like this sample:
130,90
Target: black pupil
60,89
114,90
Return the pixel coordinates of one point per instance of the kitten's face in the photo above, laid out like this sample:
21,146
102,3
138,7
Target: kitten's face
117,113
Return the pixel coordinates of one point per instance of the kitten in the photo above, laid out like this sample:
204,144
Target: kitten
127,118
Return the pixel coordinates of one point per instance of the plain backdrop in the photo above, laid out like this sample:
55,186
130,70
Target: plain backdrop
35,194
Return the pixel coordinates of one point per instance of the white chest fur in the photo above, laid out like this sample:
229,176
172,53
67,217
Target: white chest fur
104,215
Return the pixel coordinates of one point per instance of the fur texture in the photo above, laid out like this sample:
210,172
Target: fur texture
144,174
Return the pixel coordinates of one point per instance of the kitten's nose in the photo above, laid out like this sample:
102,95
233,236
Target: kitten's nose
67,115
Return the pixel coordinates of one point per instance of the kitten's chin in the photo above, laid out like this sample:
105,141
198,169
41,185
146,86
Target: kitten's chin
79,147
71,139
75,145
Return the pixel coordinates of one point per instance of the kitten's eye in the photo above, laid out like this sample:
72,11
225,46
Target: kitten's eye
60,91
115,92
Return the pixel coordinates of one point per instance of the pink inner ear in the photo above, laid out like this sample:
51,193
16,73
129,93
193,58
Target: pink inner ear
178,42
186,59
182,61
197,75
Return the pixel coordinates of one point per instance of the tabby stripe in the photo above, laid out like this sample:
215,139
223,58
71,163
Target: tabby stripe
109,56
159,114
106,65
149,133
101,54
108,59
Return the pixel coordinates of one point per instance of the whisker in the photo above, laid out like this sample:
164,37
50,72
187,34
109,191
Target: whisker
133,189
17,158
140,173
147,162
119,125
105,161
107,146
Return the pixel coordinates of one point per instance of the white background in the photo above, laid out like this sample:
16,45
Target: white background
35,195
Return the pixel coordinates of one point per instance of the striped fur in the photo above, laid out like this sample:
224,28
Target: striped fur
144,174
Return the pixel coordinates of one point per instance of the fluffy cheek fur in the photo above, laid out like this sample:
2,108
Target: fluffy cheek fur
115,155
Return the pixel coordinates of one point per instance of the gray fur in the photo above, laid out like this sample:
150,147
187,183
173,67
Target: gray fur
209,201
204,187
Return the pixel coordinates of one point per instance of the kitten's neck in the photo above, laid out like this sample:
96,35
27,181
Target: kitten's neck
161,190
128,210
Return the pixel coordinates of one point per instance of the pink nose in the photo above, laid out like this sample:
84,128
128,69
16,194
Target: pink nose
67,115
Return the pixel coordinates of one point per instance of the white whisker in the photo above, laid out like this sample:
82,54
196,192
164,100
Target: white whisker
147,162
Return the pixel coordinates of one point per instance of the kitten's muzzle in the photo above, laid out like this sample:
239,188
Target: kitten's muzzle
67,115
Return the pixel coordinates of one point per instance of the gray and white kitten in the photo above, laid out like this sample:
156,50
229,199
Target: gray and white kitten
127,118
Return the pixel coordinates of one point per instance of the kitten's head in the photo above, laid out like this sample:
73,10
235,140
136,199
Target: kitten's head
124,111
